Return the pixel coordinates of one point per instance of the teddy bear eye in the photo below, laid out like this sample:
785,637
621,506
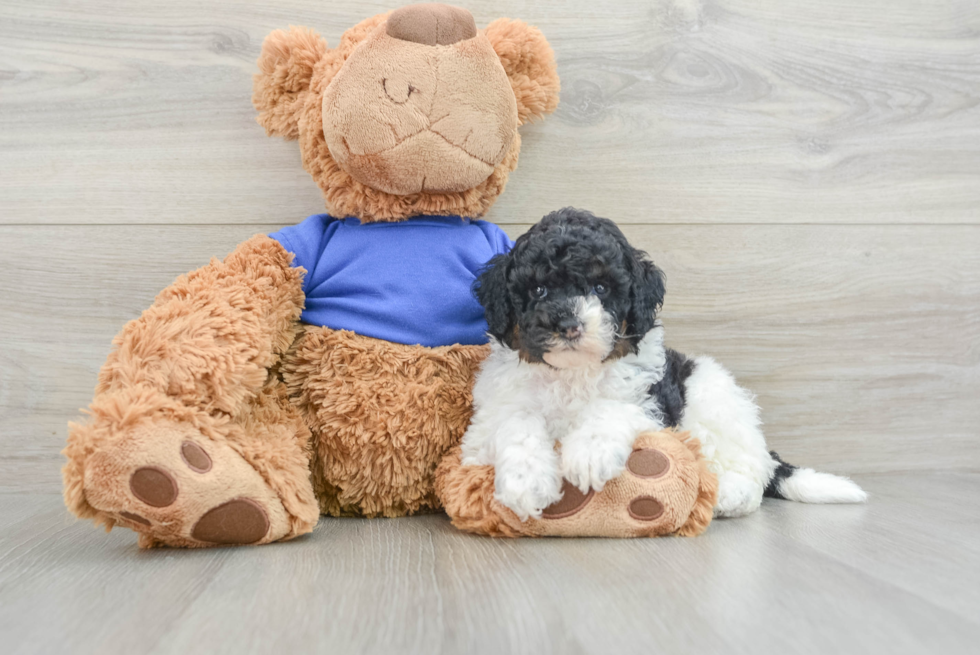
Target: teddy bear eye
600,290
539,292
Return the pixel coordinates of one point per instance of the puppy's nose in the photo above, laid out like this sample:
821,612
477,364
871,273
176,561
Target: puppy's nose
431,24
570,328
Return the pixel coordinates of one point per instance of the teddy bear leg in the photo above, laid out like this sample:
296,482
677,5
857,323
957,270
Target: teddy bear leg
665,489
180,477
467,494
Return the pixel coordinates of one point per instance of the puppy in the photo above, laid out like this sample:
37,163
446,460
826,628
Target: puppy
578,358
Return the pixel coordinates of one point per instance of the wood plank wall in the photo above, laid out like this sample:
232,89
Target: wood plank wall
807,173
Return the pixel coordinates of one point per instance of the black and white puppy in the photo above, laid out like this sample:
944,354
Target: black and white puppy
577,357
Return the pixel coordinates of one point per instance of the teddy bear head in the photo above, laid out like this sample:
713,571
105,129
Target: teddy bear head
415,111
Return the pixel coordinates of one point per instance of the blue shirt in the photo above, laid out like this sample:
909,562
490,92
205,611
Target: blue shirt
407,282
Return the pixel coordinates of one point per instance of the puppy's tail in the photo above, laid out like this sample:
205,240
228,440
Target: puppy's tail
808,486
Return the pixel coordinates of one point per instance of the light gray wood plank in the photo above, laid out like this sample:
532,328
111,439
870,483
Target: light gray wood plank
55,571
790,578
862,342
673,111
896,546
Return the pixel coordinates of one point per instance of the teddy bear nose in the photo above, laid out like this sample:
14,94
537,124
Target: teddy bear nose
431,24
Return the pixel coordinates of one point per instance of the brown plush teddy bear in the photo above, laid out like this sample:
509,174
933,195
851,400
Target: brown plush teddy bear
327,367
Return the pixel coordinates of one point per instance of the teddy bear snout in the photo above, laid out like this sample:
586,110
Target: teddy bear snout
431,24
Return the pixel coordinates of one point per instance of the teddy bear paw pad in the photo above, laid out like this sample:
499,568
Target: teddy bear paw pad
153,486
572,502
195,457
646,508
135,518
648,463
239,521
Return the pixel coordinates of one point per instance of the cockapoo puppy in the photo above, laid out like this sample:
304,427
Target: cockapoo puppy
578,358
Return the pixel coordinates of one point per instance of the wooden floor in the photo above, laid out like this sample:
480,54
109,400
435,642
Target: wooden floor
898,575
807,173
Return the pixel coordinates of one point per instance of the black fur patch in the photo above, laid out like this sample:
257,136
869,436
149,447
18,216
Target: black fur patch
670,391
783,471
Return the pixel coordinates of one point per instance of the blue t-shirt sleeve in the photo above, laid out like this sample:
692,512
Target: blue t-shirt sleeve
498,239
306,241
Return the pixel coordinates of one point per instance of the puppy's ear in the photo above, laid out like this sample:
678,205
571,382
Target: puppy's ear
491,290
530,65
280,88
647,294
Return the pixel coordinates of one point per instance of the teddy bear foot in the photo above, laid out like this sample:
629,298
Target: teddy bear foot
656,495
177,487
665,489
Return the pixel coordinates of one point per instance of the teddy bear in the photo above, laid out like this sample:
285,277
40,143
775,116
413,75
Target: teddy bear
326,368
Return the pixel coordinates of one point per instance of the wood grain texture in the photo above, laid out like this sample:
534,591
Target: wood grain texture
891,576
673,111
862,342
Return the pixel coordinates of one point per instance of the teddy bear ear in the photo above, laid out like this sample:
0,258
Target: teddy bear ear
530,65
285,69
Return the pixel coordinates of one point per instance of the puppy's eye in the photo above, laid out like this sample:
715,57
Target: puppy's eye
539,292
600,290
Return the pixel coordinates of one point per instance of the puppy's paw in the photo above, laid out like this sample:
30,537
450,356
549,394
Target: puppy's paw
592,463
525,494
738,495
